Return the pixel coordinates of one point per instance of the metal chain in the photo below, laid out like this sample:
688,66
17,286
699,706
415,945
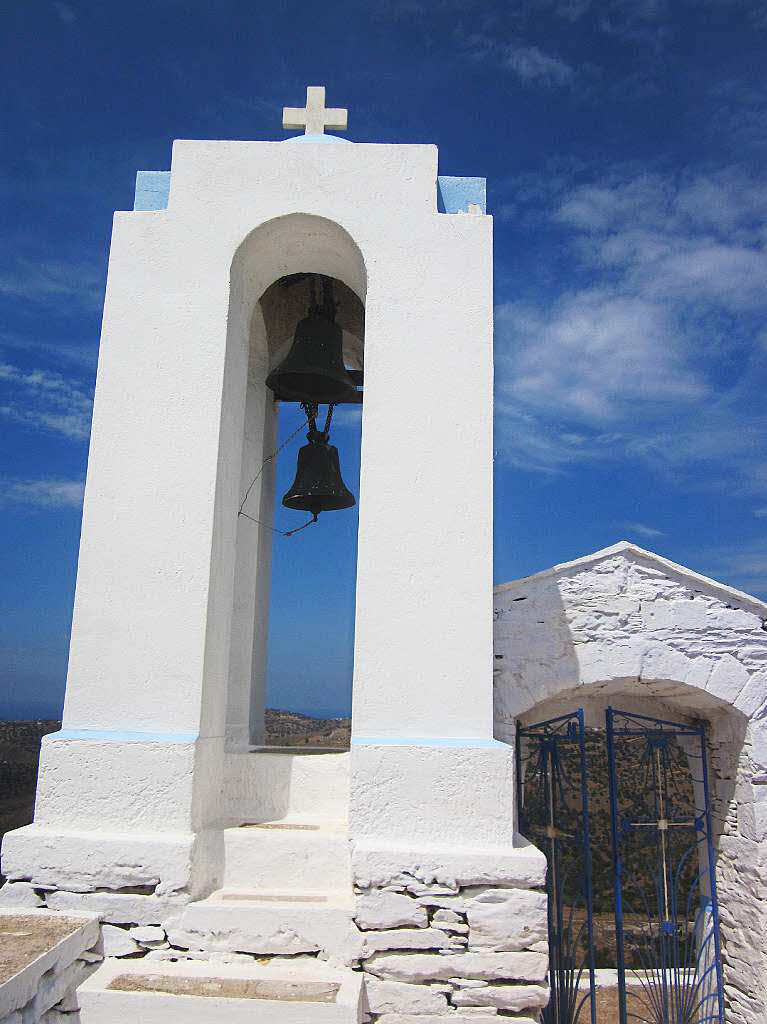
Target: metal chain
310,422
268,459
282,533
328,418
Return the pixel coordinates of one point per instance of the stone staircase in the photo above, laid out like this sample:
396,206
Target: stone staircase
286,894
287,890
300,992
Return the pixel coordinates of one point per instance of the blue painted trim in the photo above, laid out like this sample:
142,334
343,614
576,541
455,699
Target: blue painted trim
115,736
318,138
455,194
152,190
425,741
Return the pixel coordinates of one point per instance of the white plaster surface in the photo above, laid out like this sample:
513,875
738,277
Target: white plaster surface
287,859
76,785
433,794
266,785
185,576
375,864
83,861
246,692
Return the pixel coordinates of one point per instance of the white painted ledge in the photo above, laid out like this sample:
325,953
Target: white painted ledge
24,986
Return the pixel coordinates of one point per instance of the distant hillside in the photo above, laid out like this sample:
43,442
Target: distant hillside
290,729
19,753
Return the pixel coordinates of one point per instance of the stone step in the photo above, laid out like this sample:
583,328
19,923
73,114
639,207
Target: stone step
268,922
288,854
301,991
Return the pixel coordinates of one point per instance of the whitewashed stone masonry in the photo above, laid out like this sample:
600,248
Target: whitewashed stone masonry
475,952
627,627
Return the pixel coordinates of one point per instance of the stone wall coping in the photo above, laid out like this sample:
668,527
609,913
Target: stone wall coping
625,547
22,987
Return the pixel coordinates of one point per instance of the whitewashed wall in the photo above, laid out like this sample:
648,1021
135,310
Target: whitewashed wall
627,627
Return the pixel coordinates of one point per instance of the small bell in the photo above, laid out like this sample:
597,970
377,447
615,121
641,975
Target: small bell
318,486
313,370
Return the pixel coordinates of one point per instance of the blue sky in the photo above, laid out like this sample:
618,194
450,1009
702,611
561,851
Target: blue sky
623,142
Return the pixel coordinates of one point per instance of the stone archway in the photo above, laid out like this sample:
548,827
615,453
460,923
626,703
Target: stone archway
666,891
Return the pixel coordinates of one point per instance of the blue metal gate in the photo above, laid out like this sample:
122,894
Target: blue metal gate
666,919
554,812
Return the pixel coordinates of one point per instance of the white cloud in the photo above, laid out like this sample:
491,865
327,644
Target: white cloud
654,353
643,530
59,351
50,281
531,64
592,355
44,493
47,400
760,513
64,12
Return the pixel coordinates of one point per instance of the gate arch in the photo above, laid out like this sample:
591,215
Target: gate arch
628,628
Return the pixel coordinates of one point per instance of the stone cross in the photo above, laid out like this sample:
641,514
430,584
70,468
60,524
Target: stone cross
315,117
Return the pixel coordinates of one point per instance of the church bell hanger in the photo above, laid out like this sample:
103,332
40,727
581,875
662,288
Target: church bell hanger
313,370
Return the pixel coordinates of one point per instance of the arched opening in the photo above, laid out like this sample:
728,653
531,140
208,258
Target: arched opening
293,604
311,616
627,782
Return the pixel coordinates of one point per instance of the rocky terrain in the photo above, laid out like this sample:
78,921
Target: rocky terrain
289,729
19,753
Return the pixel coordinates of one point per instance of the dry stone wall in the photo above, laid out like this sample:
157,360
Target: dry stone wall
430,952
451,952
741,873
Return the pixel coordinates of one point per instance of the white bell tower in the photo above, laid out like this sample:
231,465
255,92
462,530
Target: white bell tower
152,770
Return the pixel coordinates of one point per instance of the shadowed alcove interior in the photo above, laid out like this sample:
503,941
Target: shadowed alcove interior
293,608
661,880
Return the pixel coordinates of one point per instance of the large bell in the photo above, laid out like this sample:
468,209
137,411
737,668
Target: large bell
313,370
318,486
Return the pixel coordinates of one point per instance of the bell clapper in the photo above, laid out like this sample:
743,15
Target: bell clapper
311,522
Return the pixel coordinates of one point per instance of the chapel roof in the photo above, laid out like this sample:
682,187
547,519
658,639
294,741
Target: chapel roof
634,552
